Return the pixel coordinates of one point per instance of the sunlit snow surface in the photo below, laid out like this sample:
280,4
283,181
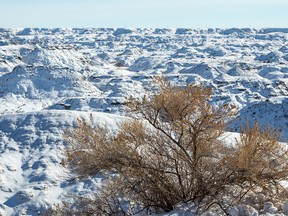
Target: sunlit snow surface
49,77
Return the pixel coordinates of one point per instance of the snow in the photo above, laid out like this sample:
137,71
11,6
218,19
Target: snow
50,77
32,177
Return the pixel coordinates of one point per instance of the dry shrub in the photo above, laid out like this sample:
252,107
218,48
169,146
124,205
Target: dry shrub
259,164
92,149
170,153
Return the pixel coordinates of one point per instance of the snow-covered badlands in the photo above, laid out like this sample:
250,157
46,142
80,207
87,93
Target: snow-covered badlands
49,77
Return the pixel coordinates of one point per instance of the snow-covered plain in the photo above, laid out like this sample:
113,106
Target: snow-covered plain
49,77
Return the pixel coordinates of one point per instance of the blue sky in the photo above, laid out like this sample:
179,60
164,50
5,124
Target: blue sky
144,13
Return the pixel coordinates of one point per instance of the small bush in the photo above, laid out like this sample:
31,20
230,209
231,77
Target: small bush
170,153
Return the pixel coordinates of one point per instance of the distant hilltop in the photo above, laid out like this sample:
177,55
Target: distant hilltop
118,31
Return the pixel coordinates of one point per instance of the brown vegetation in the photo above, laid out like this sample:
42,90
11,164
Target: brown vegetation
170,153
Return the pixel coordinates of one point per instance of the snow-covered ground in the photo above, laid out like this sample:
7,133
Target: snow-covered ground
49,77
